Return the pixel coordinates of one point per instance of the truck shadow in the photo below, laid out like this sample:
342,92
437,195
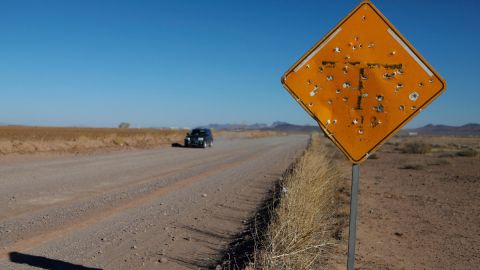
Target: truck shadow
45,263
177,145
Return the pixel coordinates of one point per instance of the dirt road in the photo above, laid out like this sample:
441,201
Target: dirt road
172,208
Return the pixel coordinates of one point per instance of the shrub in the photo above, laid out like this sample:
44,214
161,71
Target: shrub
467,153
124,125
418,147
446,155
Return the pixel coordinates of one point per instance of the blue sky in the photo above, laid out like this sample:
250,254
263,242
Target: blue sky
188,63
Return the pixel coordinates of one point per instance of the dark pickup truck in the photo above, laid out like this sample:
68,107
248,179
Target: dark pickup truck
199,137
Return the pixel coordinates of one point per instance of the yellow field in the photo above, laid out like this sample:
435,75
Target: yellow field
20,139
27,140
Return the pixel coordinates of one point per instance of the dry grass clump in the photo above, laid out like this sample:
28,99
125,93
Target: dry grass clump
302,225
412,167
467,153
418,147
438,162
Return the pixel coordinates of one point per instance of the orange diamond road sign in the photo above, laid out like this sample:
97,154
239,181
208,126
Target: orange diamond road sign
362,82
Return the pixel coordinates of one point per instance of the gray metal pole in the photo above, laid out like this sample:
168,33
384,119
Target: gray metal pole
353,217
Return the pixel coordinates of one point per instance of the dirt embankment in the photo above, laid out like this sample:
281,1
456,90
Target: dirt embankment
298,223
302,230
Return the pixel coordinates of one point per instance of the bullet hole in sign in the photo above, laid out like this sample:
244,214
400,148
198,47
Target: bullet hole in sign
413,96
379,108
389,75
374,122
363,77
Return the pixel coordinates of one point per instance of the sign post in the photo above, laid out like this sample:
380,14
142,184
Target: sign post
352,226
362,83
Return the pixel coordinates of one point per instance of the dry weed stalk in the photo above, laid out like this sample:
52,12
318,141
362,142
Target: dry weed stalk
302,224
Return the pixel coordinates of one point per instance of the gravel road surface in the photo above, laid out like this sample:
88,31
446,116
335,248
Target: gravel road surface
169,208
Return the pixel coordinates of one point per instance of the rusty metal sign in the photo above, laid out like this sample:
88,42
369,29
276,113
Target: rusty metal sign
362,82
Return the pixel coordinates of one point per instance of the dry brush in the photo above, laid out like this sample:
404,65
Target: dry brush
303,223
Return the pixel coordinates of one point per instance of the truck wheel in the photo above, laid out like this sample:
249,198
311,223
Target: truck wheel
204,145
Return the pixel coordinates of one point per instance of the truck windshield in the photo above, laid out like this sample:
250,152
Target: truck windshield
198,132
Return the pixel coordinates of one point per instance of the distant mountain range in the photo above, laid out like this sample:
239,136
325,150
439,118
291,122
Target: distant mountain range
236,126
468,129
276,126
